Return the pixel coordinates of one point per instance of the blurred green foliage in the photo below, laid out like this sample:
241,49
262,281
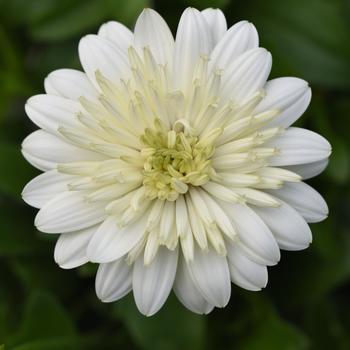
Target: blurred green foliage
306,304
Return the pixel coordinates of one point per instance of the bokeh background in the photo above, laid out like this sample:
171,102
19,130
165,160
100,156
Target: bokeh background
306,304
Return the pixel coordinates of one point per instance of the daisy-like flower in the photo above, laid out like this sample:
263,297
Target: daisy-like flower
172,163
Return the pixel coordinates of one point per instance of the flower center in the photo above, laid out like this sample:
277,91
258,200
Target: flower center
174,160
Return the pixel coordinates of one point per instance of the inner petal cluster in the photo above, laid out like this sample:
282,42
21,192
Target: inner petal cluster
173,161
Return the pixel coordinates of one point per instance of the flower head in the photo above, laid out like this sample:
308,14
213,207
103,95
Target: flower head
172,163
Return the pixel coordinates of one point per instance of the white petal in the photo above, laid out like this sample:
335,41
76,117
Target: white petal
111,242
50,112
167,221
289,228
152,283
217,23
193,39
69,212
44,187
304,199
238,39
151,30
219,215
298,146
69,83
98,54
307,171
113,280
246,75
209,272
181,217
245,272
187,292
70,249
38,163
117,33
53,150
254,235
291,96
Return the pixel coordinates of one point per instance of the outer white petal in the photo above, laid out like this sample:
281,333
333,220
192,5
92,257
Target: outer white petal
100,54
49,112
211,276
289,95
53,150
193,39
304,199
289,228
151,30
299,146
38,163
238,39
69,83
117,33
152,283
111,242
113,280
246,75
245,272
254,235
70,249
44,187
69,212
217,23
307,171
187,292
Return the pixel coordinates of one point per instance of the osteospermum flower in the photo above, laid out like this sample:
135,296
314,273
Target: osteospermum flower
172,163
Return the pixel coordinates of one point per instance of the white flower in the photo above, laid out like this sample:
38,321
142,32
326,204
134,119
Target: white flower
172,163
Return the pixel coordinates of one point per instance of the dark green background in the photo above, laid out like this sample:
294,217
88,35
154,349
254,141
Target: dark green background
306,304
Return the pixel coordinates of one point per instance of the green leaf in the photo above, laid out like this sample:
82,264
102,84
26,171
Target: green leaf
202,4
324,325
43,273
43,318
125,12
3,323
310,276
339,165
306,38
74,21
31,12
15,171
172,328
88,270
66,343
86,15
274,334
18,237
83,341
